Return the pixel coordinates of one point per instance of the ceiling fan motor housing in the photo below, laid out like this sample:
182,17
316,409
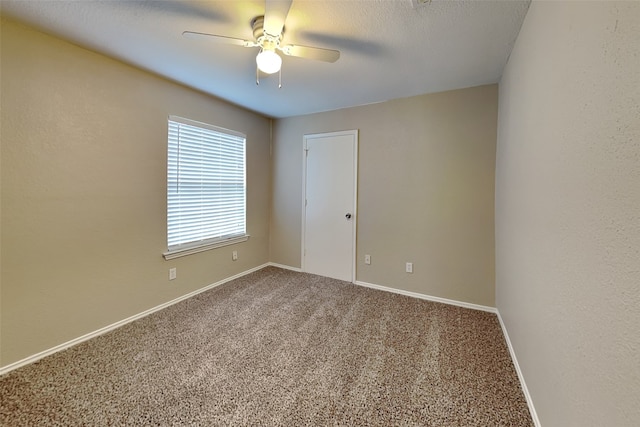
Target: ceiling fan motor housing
265,40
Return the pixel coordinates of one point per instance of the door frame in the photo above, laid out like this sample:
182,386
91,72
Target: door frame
354,211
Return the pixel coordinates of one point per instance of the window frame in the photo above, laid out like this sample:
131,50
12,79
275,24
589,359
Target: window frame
188,248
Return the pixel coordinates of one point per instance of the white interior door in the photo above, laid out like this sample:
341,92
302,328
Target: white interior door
329,211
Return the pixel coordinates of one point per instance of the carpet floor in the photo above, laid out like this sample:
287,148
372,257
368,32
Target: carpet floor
280,348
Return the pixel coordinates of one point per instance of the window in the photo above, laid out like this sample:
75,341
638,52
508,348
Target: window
206,191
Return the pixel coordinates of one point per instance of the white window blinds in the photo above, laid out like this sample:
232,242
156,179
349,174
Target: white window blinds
206,193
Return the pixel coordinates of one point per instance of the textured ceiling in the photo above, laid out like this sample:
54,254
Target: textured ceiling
389,49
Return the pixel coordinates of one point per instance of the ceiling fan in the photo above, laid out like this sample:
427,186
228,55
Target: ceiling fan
268,30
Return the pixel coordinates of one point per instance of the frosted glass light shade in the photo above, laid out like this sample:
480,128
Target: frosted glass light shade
268,61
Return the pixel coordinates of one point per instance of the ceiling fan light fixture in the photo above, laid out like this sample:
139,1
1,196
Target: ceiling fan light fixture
268,61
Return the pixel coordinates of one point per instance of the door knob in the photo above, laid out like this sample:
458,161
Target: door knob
348,216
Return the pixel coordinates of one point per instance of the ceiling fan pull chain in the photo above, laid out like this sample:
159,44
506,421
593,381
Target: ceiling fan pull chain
257,76
280,79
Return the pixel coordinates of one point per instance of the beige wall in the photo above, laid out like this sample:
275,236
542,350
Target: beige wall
568,210
83,175
425,191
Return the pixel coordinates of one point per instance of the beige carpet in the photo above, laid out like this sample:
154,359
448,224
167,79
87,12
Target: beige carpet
279,348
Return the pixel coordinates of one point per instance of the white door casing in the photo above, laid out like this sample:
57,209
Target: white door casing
329,204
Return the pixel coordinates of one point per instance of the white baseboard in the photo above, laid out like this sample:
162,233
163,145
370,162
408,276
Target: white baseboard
64,346
523,384
286,267
71,343
428,297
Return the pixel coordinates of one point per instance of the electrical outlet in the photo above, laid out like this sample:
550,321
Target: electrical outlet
367,259
409,267
234,256
172,273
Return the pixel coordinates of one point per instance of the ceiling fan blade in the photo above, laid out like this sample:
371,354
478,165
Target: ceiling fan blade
275,14
218,39
317,53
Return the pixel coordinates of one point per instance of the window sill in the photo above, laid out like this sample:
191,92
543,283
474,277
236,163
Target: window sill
177,253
